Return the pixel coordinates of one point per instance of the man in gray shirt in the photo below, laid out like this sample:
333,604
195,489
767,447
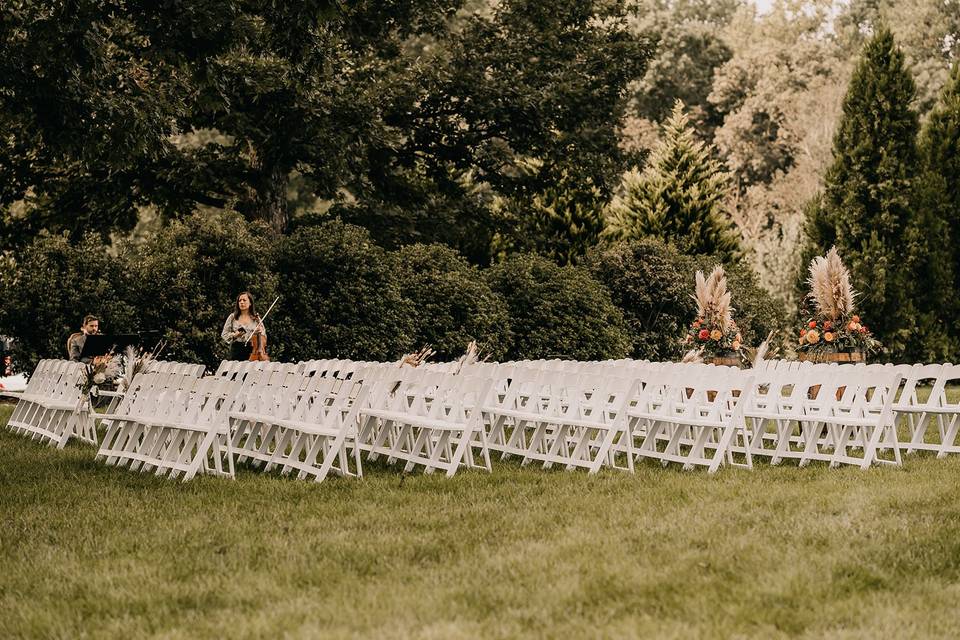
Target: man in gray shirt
75,342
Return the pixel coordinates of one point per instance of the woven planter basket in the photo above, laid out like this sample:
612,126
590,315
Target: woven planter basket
846,356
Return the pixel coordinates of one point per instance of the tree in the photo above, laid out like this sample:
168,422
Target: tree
341,296
691,46
927,30
558,312
516,101
186,277
52,284
780,97
562,221
940,149
112,105
679,196
452,303
870,195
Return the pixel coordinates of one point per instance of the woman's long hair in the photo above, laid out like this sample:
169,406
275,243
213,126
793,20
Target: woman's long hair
253,307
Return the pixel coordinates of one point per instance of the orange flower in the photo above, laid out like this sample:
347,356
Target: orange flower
813,337
812,324
803,332
828,336
855,319
853,326
736,345
827,325
716,334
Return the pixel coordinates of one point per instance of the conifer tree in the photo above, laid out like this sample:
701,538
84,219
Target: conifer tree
678,197
868,200
940,148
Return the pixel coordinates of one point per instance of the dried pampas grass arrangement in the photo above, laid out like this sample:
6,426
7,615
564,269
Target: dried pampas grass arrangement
830,289
713,299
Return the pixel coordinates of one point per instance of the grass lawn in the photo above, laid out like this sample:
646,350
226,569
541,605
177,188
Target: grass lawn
87,550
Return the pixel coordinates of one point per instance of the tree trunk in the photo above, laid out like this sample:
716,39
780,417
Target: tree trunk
271,203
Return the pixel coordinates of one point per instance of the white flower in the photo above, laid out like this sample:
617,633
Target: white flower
99,378
95,391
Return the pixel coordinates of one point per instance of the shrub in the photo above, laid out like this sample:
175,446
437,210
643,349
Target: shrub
188,276
52,284
558,311
648,281
340,296
653,283
452,303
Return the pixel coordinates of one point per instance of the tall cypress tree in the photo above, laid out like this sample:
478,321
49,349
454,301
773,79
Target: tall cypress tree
678,197
867,205
940,149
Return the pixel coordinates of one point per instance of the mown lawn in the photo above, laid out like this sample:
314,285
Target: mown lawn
91,551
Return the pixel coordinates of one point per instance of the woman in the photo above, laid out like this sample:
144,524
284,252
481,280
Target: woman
240,326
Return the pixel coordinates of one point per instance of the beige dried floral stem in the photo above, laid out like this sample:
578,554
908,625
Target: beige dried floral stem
830,289
713,299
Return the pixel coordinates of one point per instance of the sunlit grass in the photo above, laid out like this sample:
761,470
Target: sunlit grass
774,552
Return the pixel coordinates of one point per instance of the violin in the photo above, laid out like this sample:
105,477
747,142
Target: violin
258,348
258,340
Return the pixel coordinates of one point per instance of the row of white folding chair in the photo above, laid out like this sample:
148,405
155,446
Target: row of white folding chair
171,366
234,369
271,392
691,415
309,427
156,366
917,412
151,393
53,407
175,425
937,407
824,412
572,420
424,419
258,427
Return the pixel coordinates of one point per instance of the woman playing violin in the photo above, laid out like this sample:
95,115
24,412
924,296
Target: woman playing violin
240,327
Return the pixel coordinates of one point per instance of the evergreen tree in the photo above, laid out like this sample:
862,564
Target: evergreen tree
870,191
678,197
940,148
562,221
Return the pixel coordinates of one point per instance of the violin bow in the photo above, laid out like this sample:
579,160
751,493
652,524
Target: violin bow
262,318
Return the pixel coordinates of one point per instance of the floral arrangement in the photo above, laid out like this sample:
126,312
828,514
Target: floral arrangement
418,358
713,333
833,327
471,356
134,362
101,370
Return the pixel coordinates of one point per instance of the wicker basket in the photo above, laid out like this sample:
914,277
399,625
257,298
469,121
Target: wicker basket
731,359
845,356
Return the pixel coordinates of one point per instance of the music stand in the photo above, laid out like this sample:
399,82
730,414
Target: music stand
101,345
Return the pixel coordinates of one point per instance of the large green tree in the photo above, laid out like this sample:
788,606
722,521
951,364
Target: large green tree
678,197
872,208
509,106
393,110
940,148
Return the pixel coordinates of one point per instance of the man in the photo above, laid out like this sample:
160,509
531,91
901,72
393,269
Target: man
75,342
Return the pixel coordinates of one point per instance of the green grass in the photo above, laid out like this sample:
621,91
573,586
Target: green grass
87,550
